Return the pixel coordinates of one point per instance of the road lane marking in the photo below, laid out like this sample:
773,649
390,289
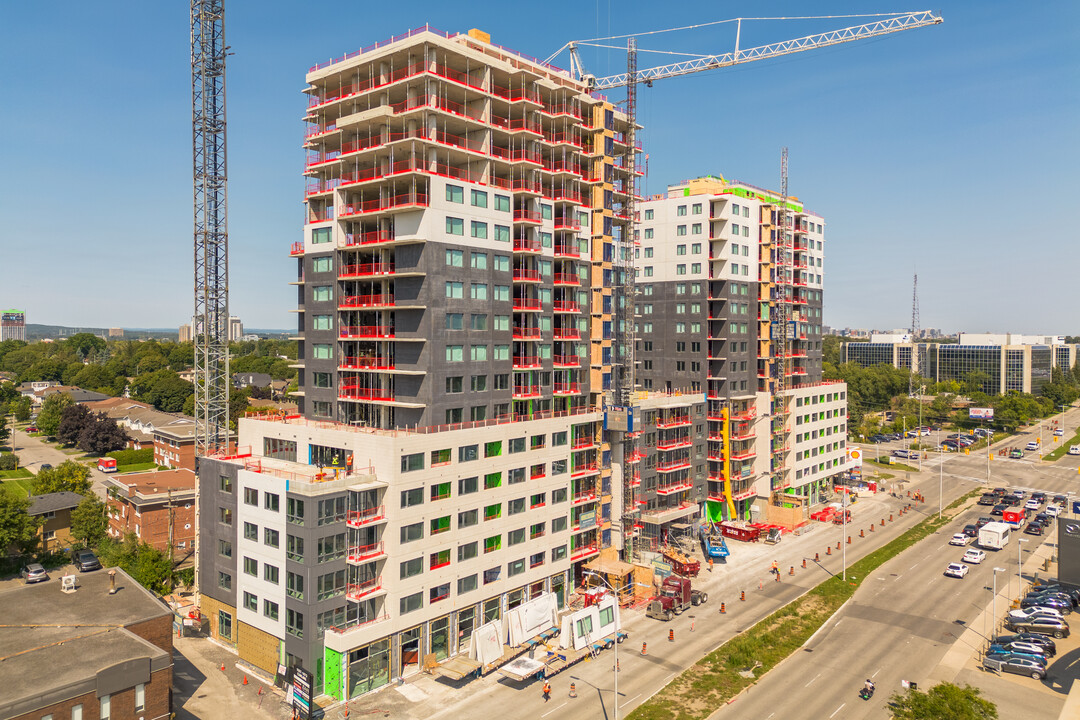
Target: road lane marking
875,673
812,680
838,709
914,566
554,709
627,702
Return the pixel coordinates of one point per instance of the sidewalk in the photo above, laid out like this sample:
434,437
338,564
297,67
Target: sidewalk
203,690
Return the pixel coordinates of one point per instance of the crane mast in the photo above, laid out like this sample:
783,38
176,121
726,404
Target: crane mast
780,344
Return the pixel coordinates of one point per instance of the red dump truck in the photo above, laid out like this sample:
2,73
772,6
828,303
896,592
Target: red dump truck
676,595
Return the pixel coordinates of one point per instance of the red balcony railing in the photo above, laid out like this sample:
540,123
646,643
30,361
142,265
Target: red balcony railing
567,306
567,388
567,361
674,443
567,333
567,250
351,392
366,301
366,331
585,441
526,275
583,497
524,362
370,237
584,469
584,551
531,216
673,421
673,488
356,591
567,279
673,465
526,391
366,269
297,248
366,363
527,333
367,516
378,204
527,245
526,303
366,553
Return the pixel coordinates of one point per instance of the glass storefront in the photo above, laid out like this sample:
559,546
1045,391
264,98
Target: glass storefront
369,667
466,624
410,650
440,637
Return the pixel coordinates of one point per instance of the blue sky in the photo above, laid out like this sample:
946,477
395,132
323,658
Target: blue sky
951,150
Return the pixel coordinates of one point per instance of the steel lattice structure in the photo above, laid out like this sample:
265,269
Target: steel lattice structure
210,332
781,335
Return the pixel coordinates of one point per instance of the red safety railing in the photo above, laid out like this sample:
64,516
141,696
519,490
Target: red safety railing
567,388
566,361
359,518
673,465
584,469
365,553
523,185
567,306
368,206
673,488
351,392
584,551
526,303
355,591
297,248
366,301
567,279
527,333
523,274
366,331
369,237
527,245
673,421
586,441
525,391
366,363
583,497
522,215
564,333
526,361
379,268
567,250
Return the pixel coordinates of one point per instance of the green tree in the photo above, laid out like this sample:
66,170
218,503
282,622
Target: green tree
944,700
831,351
85,344
151,568
163,389
51,411
18,529
21,408
89,523
238,405
68,476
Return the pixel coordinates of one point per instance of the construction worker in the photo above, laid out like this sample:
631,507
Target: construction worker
710,564
547,691
775,567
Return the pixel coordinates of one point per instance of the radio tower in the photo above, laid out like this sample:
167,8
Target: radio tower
211,333
915,365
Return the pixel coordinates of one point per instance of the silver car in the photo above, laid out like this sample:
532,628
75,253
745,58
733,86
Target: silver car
33,573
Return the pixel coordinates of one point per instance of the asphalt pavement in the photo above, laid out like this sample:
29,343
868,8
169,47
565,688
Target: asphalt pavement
34,451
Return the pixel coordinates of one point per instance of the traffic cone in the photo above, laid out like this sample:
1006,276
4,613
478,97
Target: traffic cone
817,557
828,550
791,570
742,595
573,690
838,544
861,534
882,522
692,623
245,680
890,517
644,648
804,563
723,608
222,667
671,635
871,528
778,577
848,539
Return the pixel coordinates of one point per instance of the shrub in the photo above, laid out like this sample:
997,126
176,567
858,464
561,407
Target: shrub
9,461
132,457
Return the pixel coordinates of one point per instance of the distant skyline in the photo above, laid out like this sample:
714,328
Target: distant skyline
950,151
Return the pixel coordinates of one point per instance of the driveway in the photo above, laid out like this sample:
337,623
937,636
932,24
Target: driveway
33,451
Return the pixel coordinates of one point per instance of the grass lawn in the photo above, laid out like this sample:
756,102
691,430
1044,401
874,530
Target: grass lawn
20,486
892,466
1063,448
715,679
13,474
136,467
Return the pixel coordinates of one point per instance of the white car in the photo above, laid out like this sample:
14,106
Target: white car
959,539
1033,445
974,556
956,570
1074,449
1053,510
1059,432
1032,505
1025,613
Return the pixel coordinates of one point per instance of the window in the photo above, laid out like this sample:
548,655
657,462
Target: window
478,383
294,548
466,584
412,497
225,548
492,480
294,623
478,229
502,322
76,712
492,575
322,293
515,537
411,602
467,551
224,580
454,321
455,353
478,291
493,512
294,585
225,516
440,524
409,533
502,203
319,380
648,214
330,585
412,568
270,573
322,351
558,553
320,408
331,547
439,559
455,194
454,385
558,524
440,592
492,544
105,707
478,198
271,538
536,560
478,260
467,485
478,353
270,609
468,452
680,249
251,602
515,506
294,511
468,518
515,568
251,497
271,502
454,258
502,233
695,268
502,293
454,290
321,264
320,235
226,484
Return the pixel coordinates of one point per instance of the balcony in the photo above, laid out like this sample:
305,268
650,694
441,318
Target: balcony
566,361
584,469
366,270
384,332
359,554
358,591
522,392
567,306
297,249
673,465
571,388
567,250
674,443
371,237
366,363
527,333
673,488
673,421
527,216
526,362
367,516
585,551
583,443
366,301
526,275
583,497
351,392
571,279
531,245
567,334
381,204
566,222
527,304
743,455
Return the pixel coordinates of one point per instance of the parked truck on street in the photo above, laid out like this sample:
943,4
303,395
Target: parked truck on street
994,535
676,595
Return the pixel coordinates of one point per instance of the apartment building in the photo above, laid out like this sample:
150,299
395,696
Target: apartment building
465,204
712,268
996,364
158,507
12,325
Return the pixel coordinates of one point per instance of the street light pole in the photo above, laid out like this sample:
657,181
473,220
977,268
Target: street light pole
616,669
1019,566
994,618
843,540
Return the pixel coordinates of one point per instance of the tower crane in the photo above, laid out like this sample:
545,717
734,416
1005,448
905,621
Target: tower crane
623,292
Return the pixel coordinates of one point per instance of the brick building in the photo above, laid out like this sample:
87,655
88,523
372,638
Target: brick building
147,503
55,511
86,653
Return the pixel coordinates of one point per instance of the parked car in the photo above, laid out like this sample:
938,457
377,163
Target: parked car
879,438
31,428
1047,644
1018,494
1053,509
956,570
982,521
1016,453
44,466
1051,586
1061,500
960,539
86,561
1024,647
1055,594
1033,528
974,556
1042,624
1062,605
1074,449
33,573
1015,664
971,530
1021,649
1026,613
1044,518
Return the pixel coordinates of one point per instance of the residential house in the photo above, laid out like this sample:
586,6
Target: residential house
55,509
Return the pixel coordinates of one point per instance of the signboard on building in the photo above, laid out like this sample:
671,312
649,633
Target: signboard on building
588,519
981,413
301,692
661,568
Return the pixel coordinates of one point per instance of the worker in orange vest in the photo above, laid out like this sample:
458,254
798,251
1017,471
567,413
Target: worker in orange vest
547,691
775,567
